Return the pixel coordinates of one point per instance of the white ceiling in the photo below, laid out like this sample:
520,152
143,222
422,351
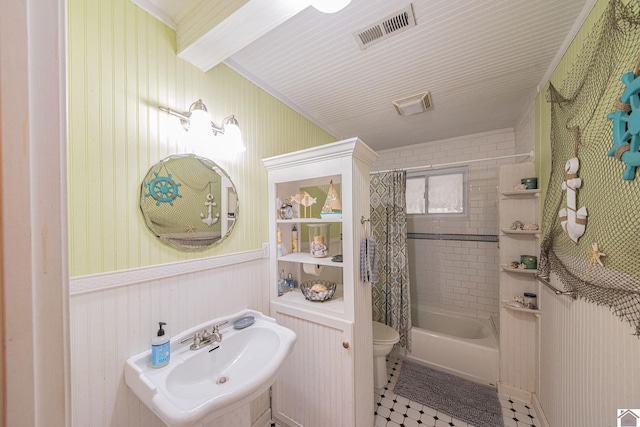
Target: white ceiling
482,60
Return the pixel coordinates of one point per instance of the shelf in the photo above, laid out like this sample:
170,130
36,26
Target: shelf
520,232
520,193
526,271
307,220
295,297
306,258
506,305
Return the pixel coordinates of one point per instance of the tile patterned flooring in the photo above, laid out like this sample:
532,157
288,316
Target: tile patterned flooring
396,411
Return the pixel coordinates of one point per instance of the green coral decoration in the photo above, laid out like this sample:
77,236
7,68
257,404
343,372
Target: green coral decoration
163,189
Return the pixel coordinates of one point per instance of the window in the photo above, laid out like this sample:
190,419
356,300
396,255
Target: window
441,192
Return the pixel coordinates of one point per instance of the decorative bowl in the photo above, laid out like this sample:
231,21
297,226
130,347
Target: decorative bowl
318,290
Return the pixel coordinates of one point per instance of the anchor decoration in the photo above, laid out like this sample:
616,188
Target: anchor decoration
210,219
162,189
573,222
626,125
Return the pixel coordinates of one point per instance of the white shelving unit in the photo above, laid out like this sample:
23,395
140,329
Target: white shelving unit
521,232
518,325
507,269
508,306
328,379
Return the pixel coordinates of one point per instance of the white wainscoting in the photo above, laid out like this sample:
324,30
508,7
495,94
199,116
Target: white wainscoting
589,362
114,315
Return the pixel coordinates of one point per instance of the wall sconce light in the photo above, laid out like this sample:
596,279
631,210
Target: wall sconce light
197,122
330,6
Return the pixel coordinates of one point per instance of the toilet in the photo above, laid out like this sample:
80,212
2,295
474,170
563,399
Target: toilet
384,338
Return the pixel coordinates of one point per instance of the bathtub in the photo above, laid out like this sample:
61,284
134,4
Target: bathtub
454,343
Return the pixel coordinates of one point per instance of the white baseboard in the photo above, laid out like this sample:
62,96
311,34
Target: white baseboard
264,420
516,393
539,412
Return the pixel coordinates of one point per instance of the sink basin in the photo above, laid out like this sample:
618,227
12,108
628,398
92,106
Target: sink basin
200,385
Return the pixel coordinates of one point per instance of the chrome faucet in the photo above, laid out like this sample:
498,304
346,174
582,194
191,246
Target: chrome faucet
206,338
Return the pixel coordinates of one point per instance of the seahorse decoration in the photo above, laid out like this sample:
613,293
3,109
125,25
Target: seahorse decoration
573,222
626,125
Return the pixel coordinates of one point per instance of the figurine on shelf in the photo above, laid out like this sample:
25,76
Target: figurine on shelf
519,300
517,225
530,227
332,207
291,282
304,199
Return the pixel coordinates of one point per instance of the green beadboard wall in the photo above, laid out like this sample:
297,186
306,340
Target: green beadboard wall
543,108
122,65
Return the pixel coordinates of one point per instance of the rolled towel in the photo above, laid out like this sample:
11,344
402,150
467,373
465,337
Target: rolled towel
369,260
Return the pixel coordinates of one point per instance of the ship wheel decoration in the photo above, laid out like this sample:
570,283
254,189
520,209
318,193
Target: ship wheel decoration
626,124
163,189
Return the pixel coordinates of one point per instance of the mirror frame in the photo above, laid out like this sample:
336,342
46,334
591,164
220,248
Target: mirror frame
163,189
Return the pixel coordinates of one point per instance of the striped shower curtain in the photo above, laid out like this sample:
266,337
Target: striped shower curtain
391,303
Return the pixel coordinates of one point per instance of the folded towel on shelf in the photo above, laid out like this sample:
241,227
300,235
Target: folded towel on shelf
369,260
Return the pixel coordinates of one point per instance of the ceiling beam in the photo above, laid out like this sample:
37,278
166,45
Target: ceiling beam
211,33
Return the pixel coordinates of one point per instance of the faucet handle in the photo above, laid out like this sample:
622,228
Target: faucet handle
197,338
196,341
216,328
206,334
184,340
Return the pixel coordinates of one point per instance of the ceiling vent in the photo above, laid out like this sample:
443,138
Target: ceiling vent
383,29
415,104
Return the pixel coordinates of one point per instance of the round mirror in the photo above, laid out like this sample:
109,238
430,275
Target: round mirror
189,202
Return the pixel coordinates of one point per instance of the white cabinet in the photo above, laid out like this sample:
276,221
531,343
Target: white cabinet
518,326
328,379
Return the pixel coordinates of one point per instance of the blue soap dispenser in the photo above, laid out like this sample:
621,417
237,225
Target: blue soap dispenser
160,348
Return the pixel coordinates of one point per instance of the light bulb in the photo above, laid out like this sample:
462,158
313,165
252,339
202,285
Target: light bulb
330,6
200,125
233,143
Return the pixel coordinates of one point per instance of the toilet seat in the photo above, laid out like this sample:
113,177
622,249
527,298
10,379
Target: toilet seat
383,334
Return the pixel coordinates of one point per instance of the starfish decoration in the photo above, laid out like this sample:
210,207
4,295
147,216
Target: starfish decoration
595,256
190,229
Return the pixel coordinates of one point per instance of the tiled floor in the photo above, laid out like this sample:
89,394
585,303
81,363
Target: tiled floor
396,411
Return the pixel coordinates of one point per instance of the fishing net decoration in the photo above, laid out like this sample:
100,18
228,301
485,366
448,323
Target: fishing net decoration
579,127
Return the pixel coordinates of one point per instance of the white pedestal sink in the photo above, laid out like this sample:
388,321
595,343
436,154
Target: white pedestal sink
198,386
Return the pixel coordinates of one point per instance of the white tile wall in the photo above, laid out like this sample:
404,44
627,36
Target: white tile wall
455,275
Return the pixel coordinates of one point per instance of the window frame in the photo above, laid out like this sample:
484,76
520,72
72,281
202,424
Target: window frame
425,175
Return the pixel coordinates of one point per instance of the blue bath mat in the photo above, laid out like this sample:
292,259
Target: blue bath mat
474,403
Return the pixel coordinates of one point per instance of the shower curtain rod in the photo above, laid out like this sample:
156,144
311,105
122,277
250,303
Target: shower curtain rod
462,162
